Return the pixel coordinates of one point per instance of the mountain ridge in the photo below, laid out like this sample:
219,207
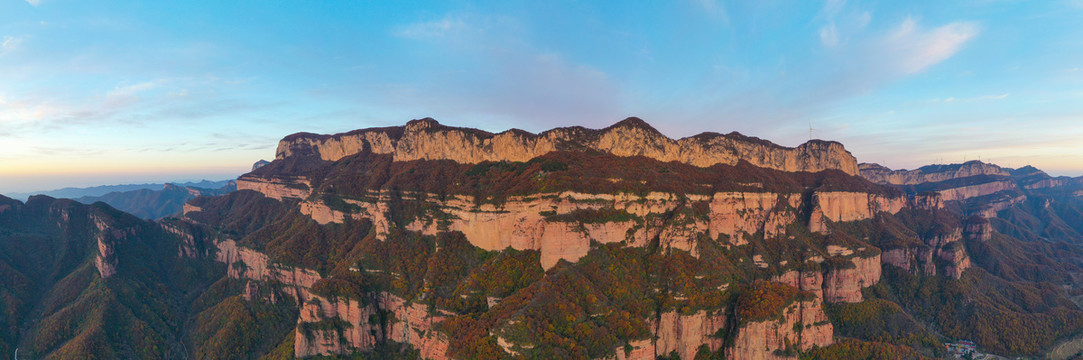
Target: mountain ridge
428,139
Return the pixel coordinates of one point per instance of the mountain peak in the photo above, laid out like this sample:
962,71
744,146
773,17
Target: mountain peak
633,123
422,124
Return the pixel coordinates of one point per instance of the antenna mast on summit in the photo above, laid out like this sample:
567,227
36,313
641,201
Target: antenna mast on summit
810,129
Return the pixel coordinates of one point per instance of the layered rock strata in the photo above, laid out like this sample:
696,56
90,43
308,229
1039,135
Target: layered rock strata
360,327
535,222
337,326
844,284
946,249
803,326
278,187
427,139
676,333
973,191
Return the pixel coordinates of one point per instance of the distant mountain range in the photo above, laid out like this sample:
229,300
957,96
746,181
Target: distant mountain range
74,193
156,204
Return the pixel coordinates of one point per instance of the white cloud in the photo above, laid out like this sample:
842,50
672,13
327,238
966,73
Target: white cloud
864,19
35,3
9,44
914,49
829,36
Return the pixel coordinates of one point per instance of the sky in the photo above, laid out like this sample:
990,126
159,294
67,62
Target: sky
109,92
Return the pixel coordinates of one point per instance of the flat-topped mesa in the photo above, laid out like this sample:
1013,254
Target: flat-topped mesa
929,173
427,139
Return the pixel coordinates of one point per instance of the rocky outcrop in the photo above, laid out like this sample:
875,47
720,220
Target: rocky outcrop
245,263
803,326
673,332
259,164
972,191
1045,183
900,258
927,201
339,325
189,208
851,206
978,229
989,206
427,139
928,174
942,254
344,326
276,187
106,260
844,283
738,214
804,280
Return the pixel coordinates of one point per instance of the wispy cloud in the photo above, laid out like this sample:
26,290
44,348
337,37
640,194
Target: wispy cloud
914,48
10,44
829,35
829,32
35,3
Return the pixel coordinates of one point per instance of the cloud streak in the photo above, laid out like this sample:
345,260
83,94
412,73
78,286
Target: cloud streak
914,49
9,44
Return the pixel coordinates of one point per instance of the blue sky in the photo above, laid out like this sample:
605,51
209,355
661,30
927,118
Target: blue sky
123,92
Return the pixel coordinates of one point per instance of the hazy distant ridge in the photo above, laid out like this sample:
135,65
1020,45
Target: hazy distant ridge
72,192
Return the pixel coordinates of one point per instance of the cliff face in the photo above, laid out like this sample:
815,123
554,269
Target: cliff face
940,254
336,326
802,326
106,260
340,325
677,333
278,187
851,206
344,326
928,174
844,284
427,139
541,222
972,191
